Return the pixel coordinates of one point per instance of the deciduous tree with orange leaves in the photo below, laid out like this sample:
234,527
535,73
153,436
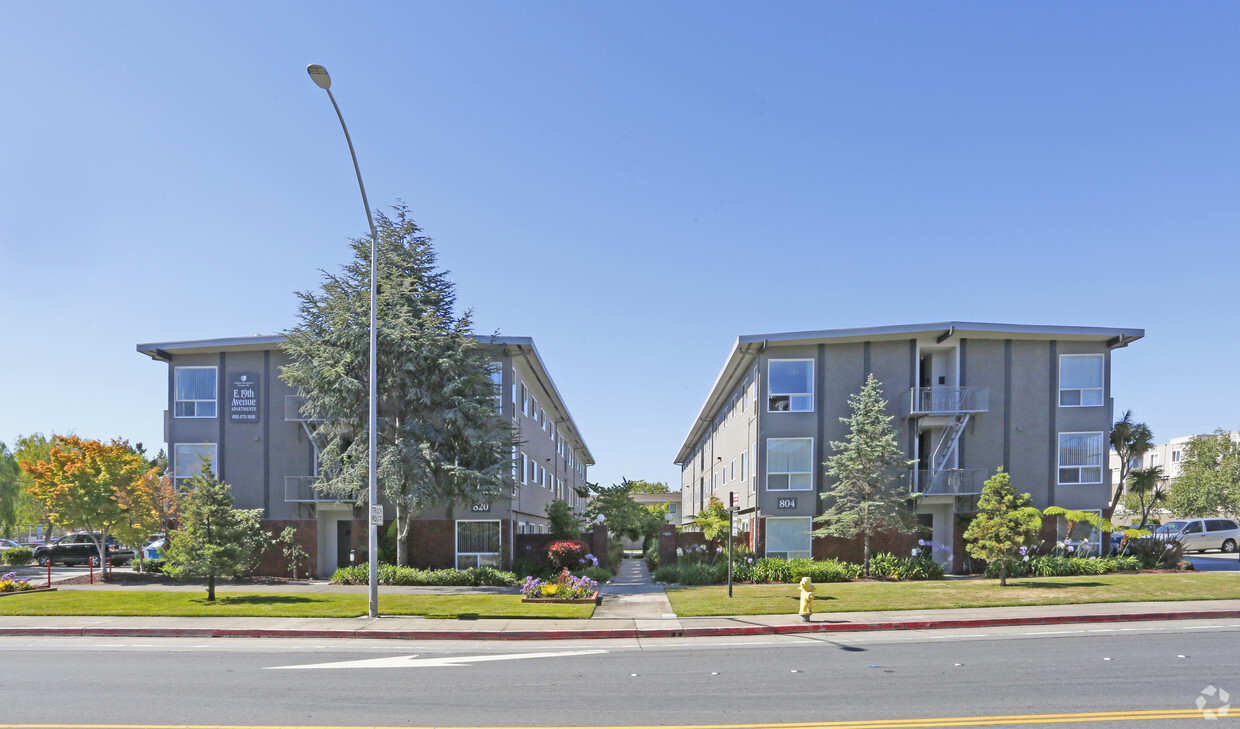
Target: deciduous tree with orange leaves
102,488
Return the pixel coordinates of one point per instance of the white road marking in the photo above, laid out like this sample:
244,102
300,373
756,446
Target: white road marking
446,661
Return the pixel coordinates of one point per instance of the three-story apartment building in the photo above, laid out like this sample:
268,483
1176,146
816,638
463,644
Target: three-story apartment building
227,404
966,398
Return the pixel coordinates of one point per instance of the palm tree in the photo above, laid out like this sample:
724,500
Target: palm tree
1130,440
1148,485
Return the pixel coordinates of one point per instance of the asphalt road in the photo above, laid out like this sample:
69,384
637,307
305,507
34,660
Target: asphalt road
911,676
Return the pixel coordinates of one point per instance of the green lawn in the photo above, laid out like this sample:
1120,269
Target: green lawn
864,596
285,605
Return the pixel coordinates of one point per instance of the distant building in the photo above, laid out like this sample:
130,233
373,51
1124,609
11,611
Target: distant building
227,403
967,398
1166,455
672,500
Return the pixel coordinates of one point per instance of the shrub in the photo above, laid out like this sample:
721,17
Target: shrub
17,556
652,558
1155,554
1058,566
598,574
151,566
884,564
615,553
920,568
773,569
565,554
692,573
359,574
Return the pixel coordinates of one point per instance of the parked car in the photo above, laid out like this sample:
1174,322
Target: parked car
79,548
7,544
1198,535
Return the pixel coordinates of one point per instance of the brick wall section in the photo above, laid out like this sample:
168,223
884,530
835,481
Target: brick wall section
598,539
432,543
853,550
273,563
667,545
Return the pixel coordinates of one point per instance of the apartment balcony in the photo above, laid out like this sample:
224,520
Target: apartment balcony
948,482
300,490
946,401
292,410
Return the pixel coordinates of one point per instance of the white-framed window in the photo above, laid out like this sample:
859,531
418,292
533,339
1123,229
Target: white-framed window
525,468
195,391
537,410
187,460
477,544
516,396
1080,458
1080,380
744,465
1153,460
788,537
516,465
1175,456
525,400
790,386
531,474
744,395
789,464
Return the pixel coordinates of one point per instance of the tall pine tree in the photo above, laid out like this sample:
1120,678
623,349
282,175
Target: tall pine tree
868,494
442,439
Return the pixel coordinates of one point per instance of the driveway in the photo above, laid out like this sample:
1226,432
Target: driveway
1215,561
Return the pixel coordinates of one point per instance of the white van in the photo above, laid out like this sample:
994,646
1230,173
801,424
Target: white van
1198,535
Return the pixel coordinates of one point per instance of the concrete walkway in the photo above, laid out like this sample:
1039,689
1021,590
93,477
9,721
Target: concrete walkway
631,595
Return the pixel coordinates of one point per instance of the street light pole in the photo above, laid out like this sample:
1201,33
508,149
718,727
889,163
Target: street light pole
324,81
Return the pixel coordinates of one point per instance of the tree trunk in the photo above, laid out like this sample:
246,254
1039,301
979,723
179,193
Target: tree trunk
402,534
1002,573
865,555
210,586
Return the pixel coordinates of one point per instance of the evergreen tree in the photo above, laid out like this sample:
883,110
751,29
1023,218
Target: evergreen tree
214,540
868,494
441,437
1005,523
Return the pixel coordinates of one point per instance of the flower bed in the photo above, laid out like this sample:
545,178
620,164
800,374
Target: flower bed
565,588
11,585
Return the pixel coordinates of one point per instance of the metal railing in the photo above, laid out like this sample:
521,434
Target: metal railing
946,400
300,490
292,410
948,482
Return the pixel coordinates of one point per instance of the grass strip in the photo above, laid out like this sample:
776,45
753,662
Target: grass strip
280,605
938,594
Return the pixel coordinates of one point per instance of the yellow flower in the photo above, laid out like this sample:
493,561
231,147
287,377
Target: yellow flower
549,590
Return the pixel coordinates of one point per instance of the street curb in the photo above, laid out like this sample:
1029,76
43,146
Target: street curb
599,634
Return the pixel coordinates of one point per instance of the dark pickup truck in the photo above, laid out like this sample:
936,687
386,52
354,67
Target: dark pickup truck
79,548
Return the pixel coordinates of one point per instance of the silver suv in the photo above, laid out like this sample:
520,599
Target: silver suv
1198,535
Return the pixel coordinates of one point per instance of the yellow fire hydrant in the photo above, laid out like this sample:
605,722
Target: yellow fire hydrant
807,599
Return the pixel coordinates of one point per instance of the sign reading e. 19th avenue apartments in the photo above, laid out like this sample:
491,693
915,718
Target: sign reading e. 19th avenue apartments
243,397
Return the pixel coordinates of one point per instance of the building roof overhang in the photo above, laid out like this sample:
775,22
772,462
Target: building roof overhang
748,347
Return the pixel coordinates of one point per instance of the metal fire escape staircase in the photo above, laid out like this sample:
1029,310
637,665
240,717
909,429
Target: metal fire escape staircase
941,456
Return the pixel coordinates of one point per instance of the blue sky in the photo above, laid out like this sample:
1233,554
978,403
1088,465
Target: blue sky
633,185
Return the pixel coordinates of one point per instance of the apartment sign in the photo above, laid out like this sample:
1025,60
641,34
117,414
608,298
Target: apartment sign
243,392
787,503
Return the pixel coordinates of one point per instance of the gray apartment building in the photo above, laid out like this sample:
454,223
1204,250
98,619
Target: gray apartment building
967,398
227,403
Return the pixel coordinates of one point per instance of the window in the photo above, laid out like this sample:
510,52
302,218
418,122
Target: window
732,472
788,537
187,460
744,465
1153,460
497,379
1175,456
195,392
1080,458
753,453
525,400
516,397
525,468
1080,380
516,465
477,544
790,385
789,464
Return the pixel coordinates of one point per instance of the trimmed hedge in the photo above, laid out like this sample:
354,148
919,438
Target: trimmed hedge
390,574
1052,566
17,556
